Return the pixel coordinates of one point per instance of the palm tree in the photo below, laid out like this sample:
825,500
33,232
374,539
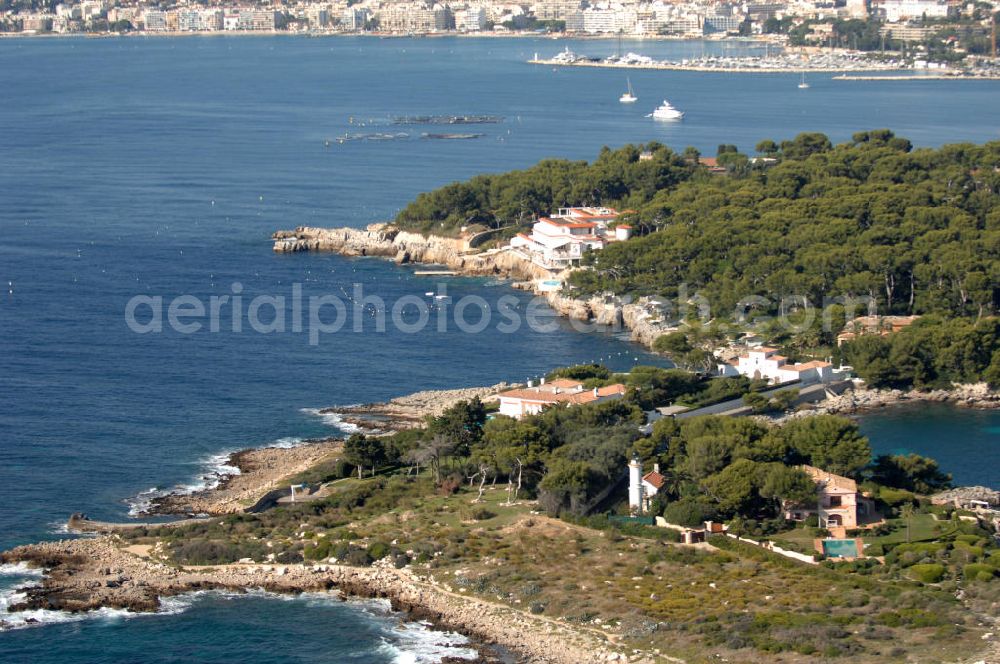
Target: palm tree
906,511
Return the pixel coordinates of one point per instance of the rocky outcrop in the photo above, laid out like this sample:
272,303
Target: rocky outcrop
84,575
387,241
861,399
258,470
963,495
410,410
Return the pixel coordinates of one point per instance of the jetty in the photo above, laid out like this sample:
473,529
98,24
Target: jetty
959,76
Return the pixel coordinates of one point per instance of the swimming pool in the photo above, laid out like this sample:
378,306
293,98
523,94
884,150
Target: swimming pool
840,548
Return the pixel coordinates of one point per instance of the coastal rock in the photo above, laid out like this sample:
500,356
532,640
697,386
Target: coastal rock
405,247
410,410
962,495
75,565
258,471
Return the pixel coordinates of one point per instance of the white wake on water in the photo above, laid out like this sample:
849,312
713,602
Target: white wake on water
335,420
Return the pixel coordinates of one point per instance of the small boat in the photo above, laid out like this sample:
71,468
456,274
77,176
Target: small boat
666,111
802,84
628,97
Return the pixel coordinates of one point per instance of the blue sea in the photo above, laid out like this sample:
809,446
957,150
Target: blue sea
159,167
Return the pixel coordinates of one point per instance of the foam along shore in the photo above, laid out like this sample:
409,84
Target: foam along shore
101,573
254,473
408,411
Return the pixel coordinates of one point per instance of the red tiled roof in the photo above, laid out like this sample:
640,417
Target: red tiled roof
821,476
654,479
564,394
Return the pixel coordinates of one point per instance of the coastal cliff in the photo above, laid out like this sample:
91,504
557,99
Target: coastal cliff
387,241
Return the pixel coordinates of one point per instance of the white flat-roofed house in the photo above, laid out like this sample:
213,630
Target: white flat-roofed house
533,399
765,363
902,10
560,240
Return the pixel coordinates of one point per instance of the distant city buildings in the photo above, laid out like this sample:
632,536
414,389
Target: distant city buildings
900,20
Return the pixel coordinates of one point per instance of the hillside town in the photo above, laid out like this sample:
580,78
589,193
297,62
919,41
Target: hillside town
956,27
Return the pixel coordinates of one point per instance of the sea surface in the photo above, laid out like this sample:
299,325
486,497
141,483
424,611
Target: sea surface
160,167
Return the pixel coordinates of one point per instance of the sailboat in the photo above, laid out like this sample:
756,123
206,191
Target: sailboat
803,85
628,97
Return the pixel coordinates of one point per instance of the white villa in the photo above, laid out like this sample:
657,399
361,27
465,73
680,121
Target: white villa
532,399
560,240
765,363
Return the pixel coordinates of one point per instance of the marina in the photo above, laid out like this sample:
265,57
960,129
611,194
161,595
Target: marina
785,62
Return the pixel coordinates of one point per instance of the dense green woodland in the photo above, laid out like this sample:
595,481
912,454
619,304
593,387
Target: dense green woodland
717,467
917,231
931,354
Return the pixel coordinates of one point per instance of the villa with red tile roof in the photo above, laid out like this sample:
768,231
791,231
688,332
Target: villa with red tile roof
532,400
880,325
560,240
838,501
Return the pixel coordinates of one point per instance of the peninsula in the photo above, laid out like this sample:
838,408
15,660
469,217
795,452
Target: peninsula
517,531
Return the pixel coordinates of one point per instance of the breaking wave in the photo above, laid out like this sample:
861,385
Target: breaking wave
335,420
215,468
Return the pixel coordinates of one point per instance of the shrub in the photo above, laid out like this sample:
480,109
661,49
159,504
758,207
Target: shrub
378,550
979,572
895,497
450,485
689,512
483,514
927,573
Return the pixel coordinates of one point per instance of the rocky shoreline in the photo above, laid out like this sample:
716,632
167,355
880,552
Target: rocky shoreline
387,241
411,410
89,574
458,254
259,470
861,400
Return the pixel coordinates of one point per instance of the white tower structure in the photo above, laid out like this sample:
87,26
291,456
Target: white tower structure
635,485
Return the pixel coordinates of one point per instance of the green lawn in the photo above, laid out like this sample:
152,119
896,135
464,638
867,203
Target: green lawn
923,528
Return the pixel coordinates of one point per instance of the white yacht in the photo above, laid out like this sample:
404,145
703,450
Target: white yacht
802,84
666,111
628,97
